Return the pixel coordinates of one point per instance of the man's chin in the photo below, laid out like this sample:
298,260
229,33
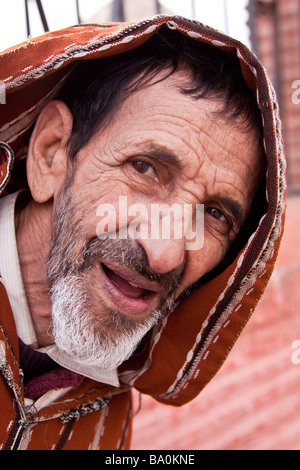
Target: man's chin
100,337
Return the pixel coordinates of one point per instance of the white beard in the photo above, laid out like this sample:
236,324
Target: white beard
89,338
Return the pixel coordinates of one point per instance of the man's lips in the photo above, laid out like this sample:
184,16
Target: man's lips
131,290
130,293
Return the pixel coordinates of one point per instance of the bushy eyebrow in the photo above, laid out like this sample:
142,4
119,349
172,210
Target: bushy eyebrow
162,154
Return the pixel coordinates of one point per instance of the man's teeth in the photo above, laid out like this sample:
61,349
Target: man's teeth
132,284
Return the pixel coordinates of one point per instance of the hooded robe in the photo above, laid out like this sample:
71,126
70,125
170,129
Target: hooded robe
184,351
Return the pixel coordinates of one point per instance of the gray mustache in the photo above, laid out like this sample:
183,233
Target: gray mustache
131,254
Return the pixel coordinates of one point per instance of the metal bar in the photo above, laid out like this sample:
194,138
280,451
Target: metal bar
158,7
78,12
251,23
193,9
42,15
226,19
278,68
27,19
117,11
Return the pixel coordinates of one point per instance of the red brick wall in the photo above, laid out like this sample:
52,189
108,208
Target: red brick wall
254,401
278,46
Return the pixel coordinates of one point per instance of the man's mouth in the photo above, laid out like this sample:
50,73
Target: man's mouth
130,293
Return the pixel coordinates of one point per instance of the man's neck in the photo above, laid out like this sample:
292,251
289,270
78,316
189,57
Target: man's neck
33,229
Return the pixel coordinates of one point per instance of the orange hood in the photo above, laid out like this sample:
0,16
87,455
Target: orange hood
188,347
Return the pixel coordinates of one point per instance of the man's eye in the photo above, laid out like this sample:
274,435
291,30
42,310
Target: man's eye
216,214
143,168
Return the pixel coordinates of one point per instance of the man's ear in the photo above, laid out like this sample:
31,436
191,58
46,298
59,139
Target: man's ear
47,154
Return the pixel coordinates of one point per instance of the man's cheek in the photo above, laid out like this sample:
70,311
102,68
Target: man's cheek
106,226
202,261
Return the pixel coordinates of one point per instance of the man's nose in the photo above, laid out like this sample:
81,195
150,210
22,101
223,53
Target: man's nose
164,255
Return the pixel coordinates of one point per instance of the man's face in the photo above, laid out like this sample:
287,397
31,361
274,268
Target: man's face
162,147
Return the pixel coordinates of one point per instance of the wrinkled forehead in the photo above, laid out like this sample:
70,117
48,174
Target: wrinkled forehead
200,128
190,136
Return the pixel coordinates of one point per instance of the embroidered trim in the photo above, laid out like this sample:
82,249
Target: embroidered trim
10,158
188,371
12,130
85,409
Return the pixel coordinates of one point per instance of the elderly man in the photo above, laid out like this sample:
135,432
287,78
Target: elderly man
162,113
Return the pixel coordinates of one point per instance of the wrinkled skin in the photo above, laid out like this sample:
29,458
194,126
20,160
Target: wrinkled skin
161,147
